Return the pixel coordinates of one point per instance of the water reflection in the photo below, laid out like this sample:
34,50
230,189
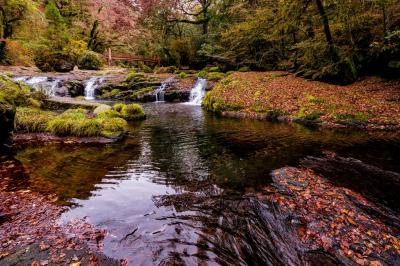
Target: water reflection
174,192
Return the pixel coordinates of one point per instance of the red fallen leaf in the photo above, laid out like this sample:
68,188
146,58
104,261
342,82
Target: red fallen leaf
123,262
4,254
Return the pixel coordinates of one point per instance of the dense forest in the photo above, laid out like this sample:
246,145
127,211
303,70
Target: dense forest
335,41
200,132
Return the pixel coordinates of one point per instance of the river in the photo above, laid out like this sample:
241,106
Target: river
178,190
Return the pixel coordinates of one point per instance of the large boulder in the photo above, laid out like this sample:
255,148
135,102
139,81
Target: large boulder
7,115
11,95
75,88
393,69
57,61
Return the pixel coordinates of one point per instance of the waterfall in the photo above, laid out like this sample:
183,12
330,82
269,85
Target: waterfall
48,84
91,85
198,91
160,92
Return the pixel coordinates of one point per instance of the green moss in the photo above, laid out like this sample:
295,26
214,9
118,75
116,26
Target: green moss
9,74
114,124
108,114
357,117
101,109
140,93
33,102
225,81
13,93
202,74
244,69
310,115
211,103
135,77
73,122
131,111
183,75
118,107
32,120
214,69
215,76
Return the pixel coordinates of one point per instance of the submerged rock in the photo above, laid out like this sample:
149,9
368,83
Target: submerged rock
7,115
75,88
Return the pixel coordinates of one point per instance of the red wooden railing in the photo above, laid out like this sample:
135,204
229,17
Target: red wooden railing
129,58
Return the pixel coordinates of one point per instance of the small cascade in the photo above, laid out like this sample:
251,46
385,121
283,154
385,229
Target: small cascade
47,84
198,91
91,85
160,92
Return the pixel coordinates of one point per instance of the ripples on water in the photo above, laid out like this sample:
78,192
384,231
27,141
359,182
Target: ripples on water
174,192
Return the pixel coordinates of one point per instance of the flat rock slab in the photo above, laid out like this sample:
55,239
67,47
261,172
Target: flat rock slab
31,139
63,103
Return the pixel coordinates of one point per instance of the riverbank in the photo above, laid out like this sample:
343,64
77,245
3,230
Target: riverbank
44,241
333,219
371,103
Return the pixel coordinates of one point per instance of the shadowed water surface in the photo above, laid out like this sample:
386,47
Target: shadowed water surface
175,191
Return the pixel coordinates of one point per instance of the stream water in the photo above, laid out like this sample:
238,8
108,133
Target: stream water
176,190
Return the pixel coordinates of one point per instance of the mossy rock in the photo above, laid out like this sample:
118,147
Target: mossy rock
57,61
177,96
135,77
165,70
215,76
393,69
7,115
75,88
101,109
12,94
144,95
130,112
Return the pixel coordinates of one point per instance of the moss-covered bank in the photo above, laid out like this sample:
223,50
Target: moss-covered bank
22,110
104,121
371,103
12,95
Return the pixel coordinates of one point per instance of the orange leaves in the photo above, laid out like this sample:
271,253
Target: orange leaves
260,92
330,220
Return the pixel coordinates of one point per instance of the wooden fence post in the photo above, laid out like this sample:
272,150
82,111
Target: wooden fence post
109,57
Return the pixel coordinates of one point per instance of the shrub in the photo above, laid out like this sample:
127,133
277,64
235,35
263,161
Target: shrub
90,61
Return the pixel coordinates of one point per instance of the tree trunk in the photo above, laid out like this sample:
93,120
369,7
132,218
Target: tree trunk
327,30
3,55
